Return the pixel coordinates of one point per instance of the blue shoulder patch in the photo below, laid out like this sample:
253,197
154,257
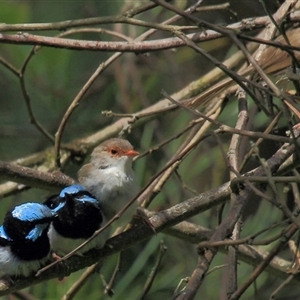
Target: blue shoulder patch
85,198
72,189
36,232
3,234
32,211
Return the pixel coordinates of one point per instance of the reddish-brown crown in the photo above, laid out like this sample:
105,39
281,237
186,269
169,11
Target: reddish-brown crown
115,147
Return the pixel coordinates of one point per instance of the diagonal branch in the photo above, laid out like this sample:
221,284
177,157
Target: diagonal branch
32,177
163,220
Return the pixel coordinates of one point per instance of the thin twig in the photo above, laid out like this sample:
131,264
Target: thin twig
108,287
291,231
77,285
225,228
9,66
159,221
119,214
234,162
87,85
151,277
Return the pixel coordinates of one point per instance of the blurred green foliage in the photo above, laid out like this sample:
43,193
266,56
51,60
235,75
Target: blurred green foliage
55,76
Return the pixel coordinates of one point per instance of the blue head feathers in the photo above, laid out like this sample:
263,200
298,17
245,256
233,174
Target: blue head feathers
27,221
78,216
72,189
31,212
24,244
71,193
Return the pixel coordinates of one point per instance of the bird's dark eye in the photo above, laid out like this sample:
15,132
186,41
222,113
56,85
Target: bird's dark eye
113,151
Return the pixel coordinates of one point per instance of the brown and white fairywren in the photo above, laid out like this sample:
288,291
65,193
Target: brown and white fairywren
109,177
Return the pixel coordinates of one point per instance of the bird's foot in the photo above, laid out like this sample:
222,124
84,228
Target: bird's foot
61,266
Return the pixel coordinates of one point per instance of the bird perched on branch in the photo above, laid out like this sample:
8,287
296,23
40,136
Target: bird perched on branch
24,244
79,215
110,178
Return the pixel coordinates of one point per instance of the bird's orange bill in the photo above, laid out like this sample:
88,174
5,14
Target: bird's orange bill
131,153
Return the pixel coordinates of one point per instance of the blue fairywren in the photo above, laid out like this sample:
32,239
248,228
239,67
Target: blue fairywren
110,178
78,216
24,244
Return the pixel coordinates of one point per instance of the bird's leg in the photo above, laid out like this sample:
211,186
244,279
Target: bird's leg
62,267
55,256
